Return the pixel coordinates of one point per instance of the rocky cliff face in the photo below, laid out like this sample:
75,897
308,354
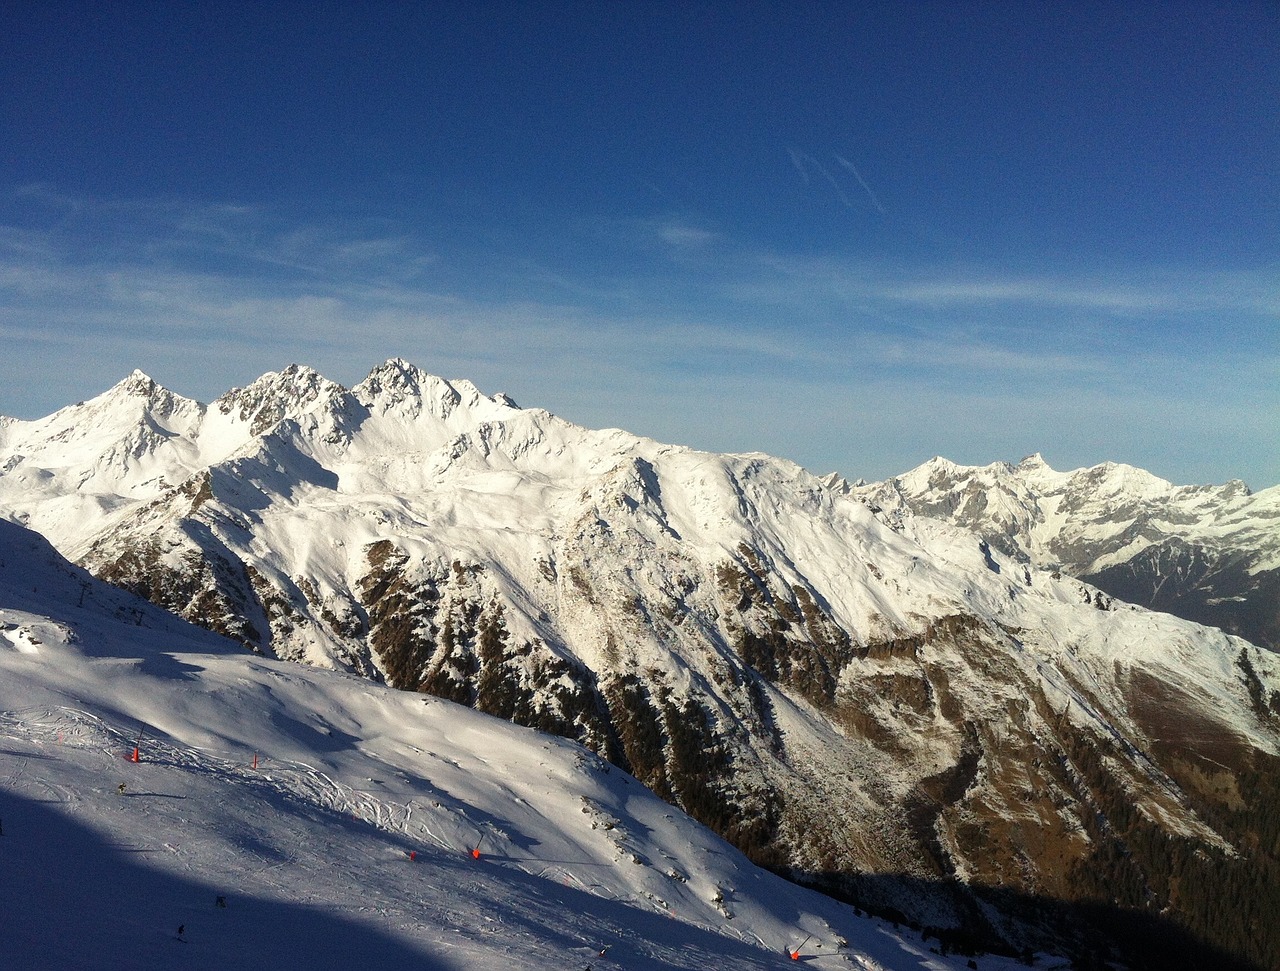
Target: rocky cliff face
908,714
1207,553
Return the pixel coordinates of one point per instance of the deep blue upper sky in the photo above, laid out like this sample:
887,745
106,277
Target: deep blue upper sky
856,235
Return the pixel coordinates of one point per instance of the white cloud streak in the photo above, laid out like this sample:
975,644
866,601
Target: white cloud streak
684,236
862,182
805,162
1151,294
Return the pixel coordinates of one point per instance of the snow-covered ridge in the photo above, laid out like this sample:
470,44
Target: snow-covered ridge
1050,508
138,439
1208,553
309,801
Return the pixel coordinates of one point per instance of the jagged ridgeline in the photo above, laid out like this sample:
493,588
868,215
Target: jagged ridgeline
1207,553
913,717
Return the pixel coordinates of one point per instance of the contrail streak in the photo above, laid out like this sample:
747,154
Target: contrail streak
862,182
804,162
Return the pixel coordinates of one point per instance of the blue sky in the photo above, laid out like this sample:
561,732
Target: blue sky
854,235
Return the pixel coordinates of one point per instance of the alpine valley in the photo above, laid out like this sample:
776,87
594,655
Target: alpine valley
928,696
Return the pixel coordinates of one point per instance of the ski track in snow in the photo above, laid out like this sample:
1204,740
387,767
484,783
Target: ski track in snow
288,843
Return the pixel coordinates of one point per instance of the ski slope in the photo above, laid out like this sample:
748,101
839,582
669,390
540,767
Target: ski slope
337,820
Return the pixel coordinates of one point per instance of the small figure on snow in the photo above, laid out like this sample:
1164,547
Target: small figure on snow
221,901
120,788
181,929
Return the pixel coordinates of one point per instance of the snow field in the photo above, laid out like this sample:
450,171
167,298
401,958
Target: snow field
311,849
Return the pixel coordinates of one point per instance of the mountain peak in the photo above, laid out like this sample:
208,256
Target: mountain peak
277,395
139,389
1118,480
936,466
398,384
398,379
297,382
397,371
137,384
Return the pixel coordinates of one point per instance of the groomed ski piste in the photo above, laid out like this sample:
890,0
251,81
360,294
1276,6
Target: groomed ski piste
286,817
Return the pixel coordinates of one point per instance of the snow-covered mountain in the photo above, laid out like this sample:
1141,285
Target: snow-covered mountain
286,817
877,703
1207,553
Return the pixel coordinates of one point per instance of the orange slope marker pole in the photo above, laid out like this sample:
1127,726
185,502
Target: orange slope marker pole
795,954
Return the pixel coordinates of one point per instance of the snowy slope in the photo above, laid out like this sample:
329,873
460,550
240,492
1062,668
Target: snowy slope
311,848
1207,553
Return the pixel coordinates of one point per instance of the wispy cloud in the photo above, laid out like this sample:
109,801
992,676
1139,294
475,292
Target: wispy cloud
1148,293
807,165
341,289
177,232
683,235
862,182
1082,294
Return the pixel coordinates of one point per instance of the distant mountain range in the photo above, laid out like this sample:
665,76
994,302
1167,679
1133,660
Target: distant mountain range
1207,553
899,693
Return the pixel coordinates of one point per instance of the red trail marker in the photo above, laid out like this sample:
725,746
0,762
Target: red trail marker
795,954
137,743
